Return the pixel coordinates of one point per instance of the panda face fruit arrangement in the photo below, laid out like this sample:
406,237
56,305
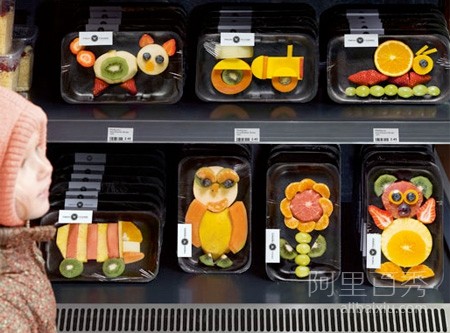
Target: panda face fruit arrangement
119,67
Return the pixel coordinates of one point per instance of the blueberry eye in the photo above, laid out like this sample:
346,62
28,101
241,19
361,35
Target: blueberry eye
228,183
159,59
206,182
395,197
147,56
411,197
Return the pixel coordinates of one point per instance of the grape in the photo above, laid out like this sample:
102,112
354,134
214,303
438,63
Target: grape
434,90
405,92
303,248
376,91
302,237
350,91
362,91
391,90
302,271
420,90
302,260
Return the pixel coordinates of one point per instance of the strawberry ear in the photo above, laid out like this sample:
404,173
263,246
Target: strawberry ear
170,46
145,39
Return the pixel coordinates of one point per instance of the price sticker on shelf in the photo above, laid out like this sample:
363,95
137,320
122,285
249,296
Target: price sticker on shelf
386,135
184,244
246,135
272,245
120,134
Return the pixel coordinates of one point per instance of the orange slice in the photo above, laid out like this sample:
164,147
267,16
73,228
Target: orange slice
392,271
306,184
327,206
323,223
306,226
285,209
419,272
291,223
406,242
393,58
322,189
291,190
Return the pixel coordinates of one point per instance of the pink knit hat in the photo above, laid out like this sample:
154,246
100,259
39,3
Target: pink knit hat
19,119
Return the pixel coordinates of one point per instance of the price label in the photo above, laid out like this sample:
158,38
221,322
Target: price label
373,251
94,38
360,40
75,216
386,135
272,245
184,246
120,134
237,39
246,135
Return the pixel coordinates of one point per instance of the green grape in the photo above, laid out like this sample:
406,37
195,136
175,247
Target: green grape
350,91
303,237
303,248
302,271
376,91
302,260
391,90
405,92
434,90
420,90
362,91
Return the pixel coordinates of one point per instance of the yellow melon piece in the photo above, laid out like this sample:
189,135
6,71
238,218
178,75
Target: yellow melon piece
322,189
327,206
82,242
61,239
285,208
406,242
102,245
392,271
215,233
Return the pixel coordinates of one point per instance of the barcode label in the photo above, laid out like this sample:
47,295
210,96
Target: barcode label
118,134
386,135
246,135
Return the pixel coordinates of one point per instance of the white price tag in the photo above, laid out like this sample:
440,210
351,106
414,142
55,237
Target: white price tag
360,40
246,135
94,38
75,216
386,135
272,245
373,251
120,134
184,244
237,39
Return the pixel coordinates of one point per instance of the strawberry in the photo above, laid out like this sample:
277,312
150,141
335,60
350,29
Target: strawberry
130,86
410,79
170,46
367,77
427,213
382,218
99,86
145,39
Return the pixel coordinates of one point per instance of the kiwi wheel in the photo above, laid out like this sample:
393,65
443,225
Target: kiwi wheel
113,267
231,81
70,268
284,84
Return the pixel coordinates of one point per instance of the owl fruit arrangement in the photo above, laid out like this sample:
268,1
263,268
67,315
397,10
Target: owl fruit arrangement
219,222
406,241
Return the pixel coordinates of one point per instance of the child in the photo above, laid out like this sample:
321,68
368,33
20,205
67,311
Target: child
27,301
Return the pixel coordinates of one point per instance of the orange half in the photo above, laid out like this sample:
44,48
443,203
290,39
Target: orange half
393,58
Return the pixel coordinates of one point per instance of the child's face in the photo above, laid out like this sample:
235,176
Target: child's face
33,182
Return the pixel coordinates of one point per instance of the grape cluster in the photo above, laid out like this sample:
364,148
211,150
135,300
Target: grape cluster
391,90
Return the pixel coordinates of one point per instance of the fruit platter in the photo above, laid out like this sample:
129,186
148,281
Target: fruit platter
303,206
403,234
214,200
139,67
115,246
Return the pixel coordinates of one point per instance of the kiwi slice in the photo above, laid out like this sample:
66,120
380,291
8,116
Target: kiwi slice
224,261
232,76
113,267
70,268
206,259
318,248
286,250
115,66
382,182
424,184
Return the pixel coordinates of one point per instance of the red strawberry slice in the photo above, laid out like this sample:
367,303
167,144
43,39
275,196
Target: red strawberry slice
382,218
400,81
427,213
410,79
99,86
367,77
130,86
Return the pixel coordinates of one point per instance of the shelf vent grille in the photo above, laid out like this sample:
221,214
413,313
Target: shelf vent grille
253,318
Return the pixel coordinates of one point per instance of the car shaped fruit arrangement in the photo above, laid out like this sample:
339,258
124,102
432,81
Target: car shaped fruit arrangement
138,67
407,216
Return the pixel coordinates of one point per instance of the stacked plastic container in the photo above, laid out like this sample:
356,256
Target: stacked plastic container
386,54
303,221
109,209
256,52
401,204
124,54
214,209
